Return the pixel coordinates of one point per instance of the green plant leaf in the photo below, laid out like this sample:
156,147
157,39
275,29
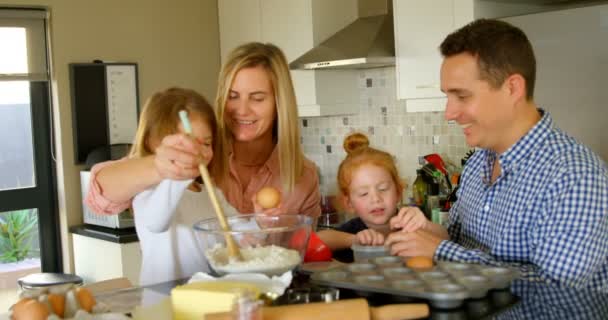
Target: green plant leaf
16,231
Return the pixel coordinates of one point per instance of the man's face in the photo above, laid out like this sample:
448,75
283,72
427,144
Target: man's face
483,112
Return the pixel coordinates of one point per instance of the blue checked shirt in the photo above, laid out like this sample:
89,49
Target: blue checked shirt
546,213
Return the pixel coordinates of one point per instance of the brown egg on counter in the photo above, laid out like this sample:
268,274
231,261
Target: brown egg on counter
85,298
57,303
30,310
419,263
19,304
268,197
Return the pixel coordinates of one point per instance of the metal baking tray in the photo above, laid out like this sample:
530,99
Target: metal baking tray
446,285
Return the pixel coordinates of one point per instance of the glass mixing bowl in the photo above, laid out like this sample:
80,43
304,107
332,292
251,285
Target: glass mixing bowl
270,245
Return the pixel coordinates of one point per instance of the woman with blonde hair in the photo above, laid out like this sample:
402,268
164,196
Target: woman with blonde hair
258,143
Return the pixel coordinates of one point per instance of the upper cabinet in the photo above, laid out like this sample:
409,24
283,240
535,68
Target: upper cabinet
295,27
420,26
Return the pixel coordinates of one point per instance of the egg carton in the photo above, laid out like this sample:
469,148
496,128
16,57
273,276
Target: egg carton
445,285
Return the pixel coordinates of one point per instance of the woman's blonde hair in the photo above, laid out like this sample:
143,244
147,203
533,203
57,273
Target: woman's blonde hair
360,153
286,130
160,118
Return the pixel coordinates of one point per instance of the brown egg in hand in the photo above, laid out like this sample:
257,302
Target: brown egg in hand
268,197
420,263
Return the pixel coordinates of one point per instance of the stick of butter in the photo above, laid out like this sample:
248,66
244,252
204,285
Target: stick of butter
192,301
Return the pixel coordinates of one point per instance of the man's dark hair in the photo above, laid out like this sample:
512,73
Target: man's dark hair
501,50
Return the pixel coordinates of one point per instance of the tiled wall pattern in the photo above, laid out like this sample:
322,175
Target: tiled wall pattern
389,127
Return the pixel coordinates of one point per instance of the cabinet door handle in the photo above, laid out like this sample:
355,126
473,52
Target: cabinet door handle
428,86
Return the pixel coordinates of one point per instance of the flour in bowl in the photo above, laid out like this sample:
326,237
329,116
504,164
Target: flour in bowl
270,260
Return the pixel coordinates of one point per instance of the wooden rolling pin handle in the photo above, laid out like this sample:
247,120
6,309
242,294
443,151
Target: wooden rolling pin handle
352,309
400,311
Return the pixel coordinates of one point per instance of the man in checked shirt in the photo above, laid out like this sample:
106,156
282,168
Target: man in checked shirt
531,196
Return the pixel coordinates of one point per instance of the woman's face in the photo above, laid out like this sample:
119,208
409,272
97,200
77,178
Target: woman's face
251,108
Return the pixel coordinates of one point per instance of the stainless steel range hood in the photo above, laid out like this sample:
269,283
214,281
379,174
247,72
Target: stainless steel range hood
368,42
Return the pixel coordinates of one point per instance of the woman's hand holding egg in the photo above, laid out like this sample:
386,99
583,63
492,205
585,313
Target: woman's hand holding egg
267,200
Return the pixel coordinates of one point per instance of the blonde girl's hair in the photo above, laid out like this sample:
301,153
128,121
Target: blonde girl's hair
286,130
160,118
360,153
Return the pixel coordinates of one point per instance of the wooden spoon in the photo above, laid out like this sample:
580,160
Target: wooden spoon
233,249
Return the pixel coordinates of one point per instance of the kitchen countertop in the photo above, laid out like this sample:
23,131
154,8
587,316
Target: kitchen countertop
494,304
121,236
541,301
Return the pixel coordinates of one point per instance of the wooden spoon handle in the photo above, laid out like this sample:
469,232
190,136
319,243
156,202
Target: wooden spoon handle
233,249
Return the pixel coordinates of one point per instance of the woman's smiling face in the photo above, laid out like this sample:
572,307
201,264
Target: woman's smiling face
251,107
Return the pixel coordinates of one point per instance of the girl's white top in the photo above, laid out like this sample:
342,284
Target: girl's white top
164,216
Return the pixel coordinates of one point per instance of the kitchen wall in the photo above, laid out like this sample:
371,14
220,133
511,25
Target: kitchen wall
173,44
389,127
571,52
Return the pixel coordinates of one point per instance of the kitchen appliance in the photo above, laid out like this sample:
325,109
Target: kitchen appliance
100,154
105,105
368,42
115,221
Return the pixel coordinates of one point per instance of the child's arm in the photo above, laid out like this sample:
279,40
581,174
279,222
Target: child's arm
122,180
156,206
370,237
337,240
177,158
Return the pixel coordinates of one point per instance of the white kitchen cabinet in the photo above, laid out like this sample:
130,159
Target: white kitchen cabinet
295,27
420,26
97,260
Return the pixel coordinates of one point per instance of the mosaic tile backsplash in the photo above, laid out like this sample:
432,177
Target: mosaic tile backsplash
389,127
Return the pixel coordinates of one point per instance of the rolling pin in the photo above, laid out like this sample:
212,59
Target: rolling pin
352,309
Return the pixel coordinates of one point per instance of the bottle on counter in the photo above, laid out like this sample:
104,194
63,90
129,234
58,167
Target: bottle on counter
246,306
419,190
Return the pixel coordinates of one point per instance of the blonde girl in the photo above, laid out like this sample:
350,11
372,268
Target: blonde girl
166,210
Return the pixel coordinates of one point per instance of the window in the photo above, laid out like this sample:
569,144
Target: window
29,224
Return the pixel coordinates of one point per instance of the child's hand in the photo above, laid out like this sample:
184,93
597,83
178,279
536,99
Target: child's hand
409,219
178,156
369,237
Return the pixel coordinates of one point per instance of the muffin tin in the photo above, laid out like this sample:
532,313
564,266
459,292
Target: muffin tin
446,285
